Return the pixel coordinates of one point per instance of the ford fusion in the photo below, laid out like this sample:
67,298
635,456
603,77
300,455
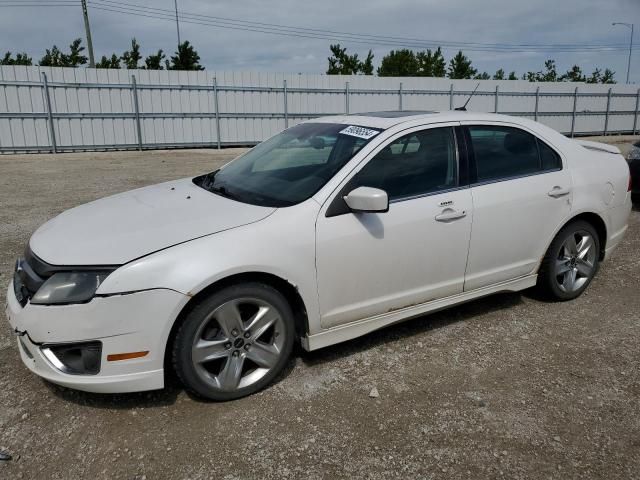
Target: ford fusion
331,229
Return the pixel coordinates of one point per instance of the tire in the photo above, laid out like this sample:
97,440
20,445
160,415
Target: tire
234,342
570,263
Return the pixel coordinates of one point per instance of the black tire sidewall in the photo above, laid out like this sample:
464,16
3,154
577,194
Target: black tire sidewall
182,344
549,282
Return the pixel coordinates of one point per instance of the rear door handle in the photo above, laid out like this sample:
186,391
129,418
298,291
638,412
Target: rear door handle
557,192
449,214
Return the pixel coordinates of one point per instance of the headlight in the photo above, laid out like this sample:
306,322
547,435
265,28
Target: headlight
69,287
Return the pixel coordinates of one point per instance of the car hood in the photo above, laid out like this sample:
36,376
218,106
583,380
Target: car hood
123,227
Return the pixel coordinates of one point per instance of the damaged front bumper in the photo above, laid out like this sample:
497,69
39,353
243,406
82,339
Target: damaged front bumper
74,345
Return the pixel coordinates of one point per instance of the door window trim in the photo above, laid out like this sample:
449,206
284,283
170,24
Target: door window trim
472,165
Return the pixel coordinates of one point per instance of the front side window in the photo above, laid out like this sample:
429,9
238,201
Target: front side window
506,152
289,167
417,164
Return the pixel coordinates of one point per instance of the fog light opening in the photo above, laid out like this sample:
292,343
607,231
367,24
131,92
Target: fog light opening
75,359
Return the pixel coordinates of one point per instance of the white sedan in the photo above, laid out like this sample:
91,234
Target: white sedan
331,229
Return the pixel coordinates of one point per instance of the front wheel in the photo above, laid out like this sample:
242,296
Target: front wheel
571,262
234,342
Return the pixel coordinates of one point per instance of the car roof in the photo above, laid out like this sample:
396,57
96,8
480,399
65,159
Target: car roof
388,119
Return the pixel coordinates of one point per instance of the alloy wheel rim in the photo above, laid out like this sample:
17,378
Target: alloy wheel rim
238,343
576,261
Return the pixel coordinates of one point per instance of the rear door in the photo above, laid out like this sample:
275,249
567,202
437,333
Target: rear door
521,192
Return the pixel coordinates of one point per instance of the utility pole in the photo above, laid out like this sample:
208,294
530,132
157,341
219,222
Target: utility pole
177,23
628,25
85,14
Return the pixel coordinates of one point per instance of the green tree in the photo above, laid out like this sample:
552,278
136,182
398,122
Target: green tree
399,63
341,63
573,75
512,76
607,76
154,61
598,77
499,75
431,64
57,58
106,62
53,58
75,57
19,59
483,76
460,67
186,58
366,67
548,75
130,58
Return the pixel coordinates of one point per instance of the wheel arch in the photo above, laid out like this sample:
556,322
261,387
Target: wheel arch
594,220
283,286
599,224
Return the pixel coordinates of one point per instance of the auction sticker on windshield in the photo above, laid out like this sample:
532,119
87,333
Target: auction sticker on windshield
359,132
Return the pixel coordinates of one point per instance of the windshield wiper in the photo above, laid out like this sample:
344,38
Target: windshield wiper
222,191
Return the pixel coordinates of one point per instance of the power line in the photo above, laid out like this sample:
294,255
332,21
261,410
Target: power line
48,4
324,33
165,14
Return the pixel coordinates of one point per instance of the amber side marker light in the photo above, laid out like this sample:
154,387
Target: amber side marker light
115,357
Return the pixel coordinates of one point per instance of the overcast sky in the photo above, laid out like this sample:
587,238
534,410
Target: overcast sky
488,21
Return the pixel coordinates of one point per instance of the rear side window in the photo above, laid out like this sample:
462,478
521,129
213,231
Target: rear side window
505,152
549,159
417,164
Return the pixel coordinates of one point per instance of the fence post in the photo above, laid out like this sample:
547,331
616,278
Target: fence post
451,97
286,107
52,131
606,115
136,107
495,107
635,117
400,97
535,116
215,104
346,97
573,116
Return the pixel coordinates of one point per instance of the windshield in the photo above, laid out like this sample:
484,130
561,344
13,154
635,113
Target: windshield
289,167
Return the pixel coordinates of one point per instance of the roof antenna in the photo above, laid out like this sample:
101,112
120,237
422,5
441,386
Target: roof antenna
464,107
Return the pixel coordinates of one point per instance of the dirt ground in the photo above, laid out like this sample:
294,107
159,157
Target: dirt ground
505,387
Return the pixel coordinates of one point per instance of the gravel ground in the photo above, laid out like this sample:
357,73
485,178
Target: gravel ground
507,386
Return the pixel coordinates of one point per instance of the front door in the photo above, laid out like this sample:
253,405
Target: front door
373,263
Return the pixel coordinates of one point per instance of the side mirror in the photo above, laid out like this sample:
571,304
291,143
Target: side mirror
367,200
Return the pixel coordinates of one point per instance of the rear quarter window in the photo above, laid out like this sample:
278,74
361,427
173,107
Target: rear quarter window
549,159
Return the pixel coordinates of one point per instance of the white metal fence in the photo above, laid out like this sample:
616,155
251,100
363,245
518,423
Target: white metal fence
45,109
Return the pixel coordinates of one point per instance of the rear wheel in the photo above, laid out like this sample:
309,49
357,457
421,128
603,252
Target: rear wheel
234,342
571,262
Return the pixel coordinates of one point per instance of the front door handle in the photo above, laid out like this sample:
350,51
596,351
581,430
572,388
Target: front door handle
557,192
448,214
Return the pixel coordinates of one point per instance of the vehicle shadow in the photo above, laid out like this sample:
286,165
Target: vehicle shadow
410,328
119,401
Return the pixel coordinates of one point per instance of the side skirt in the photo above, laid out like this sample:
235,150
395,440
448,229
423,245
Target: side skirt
358,328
